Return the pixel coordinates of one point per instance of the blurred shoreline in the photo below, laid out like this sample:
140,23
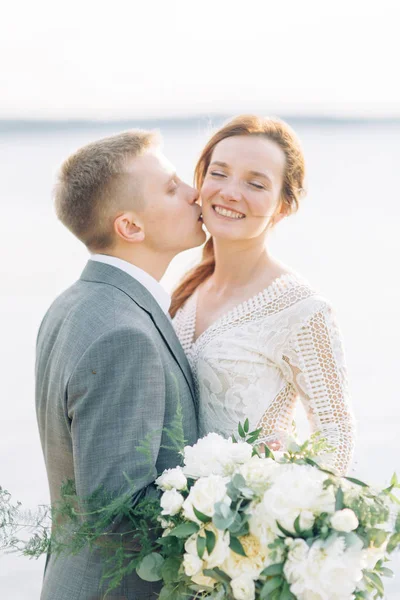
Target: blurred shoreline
32,125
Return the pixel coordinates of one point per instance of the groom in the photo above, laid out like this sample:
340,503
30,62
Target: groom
109,367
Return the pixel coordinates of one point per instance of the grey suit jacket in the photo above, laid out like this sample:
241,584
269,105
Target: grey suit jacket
109,371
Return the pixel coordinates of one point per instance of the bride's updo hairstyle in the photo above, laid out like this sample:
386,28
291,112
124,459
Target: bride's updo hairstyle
292,187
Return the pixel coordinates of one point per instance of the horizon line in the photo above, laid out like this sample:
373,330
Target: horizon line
30,124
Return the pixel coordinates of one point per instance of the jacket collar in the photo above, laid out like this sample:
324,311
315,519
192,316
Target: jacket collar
97,272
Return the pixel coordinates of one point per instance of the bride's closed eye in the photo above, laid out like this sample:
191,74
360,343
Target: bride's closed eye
217,174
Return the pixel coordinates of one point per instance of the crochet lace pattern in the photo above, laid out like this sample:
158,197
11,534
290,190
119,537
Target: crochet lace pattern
259,358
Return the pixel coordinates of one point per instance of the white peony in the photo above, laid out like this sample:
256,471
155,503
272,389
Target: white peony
297,490
220,551
326,570
172,478
203,495
261,523
344,520
171,502
192,564
243,588
215,455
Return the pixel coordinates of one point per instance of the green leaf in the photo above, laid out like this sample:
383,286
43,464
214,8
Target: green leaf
234,439
236,546
238,481
394,543
394,480
297,527
269,586
375,580
201,545
217,574
356,481
210,541
150,567
339,499
201,516
246,426
268,453
286,594
286,532
276,569
385,572
170,569
256,432
241,431
184,530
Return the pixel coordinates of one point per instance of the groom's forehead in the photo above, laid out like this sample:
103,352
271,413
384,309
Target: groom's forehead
152,165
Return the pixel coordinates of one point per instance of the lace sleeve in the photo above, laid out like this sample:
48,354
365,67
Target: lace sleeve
314,355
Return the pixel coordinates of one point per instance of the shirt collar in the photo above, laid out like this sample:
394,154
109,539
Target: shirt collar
151,284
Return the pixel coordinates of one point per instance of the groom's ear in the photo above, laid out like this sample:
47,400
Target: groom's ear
129,228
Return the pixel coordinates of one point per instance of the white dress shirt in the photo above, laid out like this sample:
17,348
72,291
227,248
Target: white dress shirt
151,284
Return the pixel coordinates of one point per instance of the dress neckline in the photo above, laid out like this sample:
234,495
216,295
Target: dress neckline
276,287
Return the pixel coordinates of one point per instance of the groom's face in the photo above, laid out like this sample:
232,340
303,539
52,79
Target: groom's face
170,215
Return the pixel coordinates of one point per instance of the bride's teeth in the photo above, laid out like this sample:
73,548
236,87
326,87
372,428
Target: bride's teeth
227,213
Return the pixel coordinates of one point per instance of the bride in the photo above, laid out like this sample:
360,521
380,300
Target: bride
257,336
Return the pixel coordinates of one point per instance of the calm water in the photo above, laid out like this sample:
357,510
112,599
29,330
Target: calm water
345,241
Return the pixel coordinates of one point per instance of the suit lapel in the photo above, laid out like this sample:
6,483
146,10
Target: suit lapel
101,273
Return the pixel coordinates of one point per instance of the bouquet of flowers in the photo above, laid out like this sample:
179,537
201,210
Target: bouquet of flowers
242,525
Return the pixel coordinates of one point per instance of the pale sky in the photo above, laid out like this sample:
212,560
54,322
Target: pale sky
123,59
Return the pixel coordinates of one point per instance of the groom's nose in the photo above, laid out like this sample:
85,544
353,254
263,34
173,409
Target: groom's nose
193,194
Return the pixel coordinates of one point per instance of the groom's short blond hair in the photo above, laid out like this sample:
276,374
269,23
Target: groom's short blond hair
91,187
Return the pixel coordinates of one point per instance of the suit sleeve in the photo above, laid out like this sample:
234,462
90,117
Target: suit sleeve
116,402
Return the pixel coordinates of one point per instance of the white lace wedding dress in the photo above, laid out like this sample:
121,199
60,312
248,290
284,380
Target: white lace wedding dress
256,360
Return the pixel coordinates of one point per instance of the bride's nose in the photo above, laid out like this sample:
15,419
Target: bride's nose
231,191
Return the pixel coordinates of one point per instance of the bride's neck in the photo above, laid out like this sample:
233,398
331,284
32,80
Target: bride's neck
236,264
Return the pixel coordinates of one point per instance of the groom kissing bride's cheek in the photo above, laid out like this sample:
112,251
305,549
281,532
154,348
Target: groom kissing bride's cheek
249,337
110,368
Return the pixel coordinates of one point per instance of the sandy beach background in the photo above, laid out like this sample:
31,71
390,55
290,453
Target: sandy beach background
345,241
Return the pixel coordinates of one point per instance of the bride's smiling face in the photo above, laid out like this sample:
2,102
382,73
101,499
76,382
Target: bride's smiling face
241,191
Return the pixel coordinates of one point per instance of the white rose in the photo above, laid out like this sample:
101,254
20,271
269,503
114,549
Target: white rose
306,520
298,550
372,555
220,551
192,564
344,520
243,588
172,478
171,502
203,496
326,570
257,472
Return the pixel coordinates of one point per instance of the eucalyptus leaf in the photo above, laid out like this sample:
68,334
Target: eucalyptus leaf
246,426
150,567
241,431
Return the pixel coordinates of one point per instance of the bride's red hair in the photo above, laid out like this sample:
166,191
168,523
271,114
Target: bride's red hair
292,188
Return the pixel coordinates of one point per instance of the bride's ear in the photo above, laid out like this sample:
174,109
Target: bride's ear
129,228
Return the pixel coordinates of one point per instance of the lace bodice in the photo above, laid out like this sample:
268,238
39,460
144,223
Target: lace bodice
257,359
